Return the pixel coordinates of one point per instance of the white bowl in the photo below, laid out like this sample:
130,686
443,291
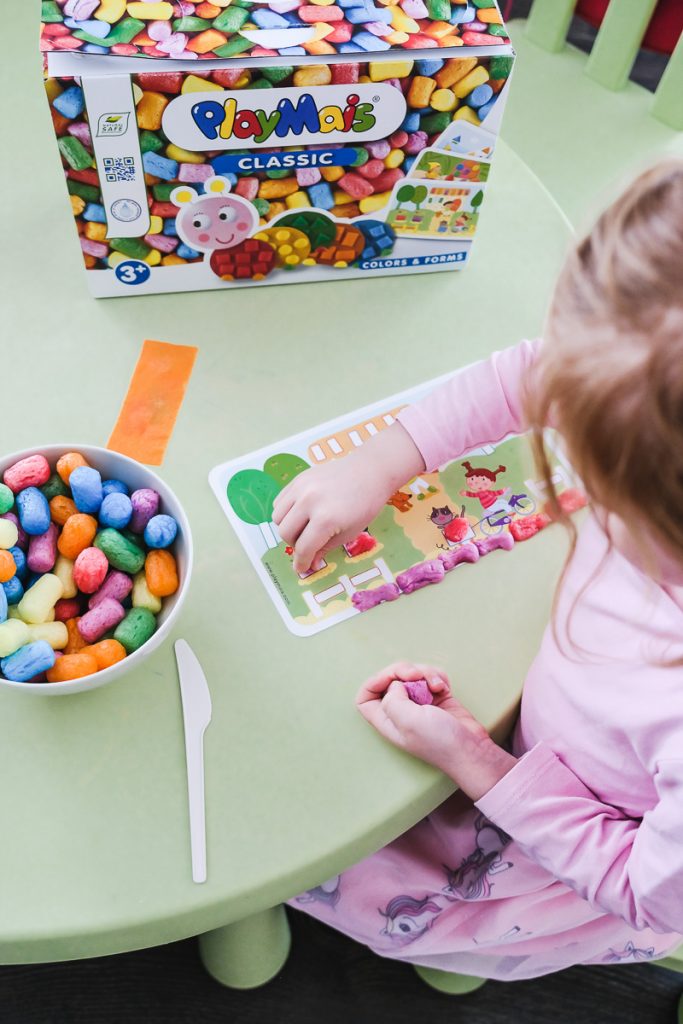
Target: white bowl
112,465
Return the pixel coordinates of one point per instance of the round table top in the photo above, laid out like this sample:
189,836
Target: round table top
95,855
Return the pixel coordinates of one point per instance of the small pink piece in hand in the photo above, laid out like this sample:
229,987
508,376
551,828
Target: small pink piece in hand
418,691
363,600
505,541
421,575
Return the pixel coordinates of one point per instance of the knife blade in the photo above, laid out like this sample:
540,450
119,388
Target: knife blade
196,701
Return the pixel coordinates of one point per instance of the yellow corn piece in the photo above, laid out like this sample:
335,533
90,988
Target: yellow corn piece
466,114
115,258
156,226
401,22
341,198
110,10
465,86
372,203
443,99
392,69
395,158
277,188
195,84
318,48
153,258
297,200
397,38
171,260
183,156
52,88
313,74
150,12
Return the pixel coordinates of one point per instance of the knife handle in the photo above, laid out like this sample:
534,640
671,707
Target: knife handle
194,756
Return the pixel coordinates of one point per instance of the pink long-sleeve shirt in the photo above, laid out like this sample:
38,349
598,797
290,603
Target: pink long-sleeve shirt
576,855
596,797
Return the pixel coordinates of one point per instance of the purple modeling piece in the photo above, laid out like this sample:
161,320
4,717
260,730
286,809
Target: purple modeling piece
503,540
465,553
421,575
419,692
363,600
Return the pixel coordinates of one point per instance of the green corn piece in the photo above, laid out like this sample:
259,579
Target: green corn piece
50,12
190,24
90,193
135,629
150,143
262,207
276,75
498,30
438,122
74,152
234,46
439,10
500,67
121,553
230,20
121,33
279,174
484,4
55,486
362,157
260,83
162,191
137,250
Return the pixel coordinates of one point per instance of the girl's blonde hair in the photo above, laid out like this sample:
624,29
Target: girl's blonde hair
610,376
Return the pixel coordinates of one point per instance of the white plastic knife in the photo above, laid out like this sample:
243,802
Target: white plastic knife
196,700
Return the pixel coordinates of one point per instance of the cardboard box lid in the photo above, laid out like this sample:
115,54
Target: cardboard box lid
268,29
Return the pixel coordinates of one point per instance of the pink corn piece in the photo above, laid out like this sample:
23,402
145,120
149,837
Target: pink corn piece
503,541
418,691
33,471
465,553
42,550
421,575
363,600
99,620
117,586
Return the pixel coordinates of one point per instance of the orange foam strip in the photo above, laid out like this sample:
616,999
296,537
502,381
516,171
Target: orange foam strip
153,401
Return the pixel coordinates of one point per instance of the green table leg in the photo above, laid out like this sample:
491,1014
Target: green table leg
451,984
248,953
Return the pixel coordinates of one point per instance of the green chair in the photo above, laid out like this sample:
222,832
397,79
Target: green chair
577,120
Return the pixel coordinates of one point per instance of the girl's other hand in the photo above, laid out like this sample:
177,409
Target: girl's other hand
444,733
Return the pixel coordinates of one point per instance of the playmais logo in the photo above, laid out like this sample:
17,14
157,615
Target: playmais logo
251,118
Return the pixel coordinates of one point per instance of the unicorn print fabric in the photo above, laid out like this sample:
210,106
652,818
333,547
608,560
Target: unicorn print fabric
575,855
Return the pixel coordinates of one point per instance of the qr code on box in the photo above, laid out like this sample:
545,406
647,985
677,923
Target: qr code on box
119,168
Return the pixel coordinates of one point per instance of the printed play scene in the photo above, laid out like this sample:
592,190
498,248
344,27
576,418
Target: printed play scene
468,140
437,210
479,503
435,165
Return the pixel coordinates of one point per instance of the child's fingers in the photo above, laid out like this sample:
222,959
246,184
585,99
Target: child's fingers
282,505
376,686
292,526
311,540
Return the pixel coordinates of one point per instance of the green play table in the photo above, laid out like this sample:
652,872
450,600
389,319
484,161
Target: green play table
95,854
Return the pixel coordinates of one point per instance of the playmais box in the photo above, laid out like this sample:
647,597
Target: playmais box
247,142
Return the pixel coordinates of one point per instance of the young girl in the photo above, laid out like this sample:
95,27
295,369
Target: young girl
569,849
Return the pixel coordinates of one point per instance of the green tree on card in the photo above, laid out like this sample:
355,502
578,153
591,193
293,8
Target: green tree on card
477,200
251,494
284,467
412,194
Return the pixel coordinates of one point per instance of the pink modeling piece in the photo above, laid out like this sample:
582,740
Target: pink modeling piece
421,575
465,553
419,692
363,600
504,540
522,529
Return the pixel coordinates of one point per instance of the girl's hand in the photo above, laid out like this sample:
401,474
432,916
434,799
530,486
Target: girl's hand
443,734
331,504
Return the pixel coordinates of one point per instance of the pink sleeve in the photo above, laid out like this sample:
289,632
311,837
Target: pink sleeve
625,867
479,405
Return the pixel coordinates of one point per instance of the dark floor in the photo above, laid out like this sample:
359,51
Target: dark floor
327,976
